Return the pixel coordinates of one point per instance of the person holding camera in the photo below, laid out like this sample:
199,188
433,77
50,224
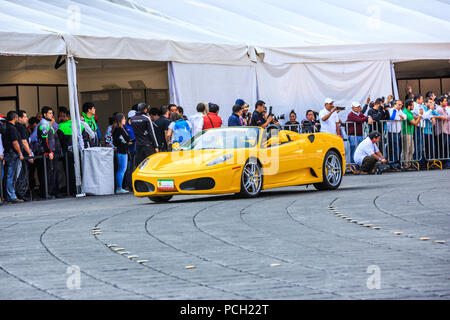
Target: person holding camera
310,124
258,118
329,119
378,113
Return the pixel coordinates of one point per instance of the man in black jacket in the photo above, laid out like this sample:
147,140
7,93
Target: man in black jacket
378,113
46,141
146,142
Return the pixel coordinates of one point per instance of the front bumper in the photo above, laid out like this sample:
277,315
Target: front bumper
226,180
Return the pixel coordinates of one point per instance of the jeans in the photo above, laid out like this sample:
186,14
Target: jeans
394,149
1,180
429,146
11,168
418,144
122,159
354,142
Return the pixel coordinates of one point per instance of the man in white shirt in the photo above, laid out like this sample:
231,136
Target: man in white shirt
329,119
367,153
394,134
196,120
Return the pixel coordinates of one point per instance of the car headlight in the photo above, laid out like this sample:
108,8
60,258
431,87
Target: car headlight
143,164
220,159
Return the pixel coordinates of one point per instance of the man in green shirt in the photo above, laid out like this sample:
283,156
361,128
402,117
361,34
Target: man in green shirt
65,137
408,134
88,115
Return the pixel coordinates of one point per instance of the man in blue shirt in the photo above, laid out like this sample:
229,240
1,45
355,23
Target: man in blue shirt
429,117
235,120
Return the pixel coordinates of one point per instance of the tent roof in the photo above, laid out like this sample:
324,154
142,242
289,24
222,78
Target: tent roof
217,31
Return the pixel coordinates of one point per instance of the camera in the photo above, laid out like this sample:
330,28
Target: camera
340,108
275,118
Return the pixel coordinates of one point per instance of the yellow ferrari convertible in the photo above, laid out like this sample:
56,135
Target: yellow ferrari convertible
243,160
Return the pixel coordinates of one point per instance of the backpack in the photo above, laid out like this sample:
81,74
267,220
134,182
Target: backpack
182,131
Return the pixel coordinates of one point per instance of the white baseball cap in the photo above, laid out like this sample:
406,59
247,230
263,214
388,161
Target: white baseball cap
356,104
328,100
131,114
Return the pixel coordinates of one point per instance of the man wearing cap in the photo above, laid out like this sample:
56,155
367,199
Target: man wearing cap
329,119
367,153
355,120
236,120
245,115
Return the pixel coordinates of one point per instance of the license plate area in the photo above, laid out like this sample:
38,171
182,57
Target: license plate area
166,185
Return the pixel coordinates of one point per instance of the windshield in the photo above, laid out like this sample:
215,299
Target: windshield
223,138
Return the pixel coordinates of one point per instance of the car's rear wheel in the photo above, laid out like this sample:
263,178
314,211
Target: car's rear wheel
332,172
251,179
160,199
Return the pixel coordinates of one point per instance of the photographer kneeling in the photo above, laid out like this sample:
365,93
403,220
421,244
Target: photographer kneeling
367,153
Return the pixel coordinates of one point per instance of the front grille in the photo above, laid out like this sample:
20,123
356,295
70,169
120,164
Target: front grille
198,184
143,187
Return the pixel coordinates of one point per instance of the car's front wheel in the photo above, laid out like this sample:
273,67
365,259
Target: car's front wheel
251,179
332,172
160,199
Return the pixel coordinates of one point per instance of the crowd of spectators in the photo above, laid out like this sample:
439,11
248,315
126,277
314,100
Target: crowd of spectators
41,146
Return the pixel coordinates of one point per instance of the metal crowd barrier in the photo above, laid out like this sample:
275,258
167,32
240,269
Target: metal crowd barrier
66,169
424,146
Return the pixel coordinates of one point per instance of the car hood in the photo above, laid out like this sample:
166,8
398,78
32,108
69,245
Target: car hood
183,161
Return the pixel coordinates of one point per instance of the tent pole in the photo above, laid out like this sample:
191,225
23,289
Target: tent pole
75,118
394,82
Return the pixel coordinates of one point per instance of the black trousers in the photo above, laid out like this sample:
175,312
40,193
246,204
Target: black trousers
52,182
21,183
69,169
368,164
142,152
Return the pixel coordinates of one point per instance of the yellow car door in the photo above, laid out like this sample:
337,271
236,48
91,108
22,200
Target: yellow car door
280,157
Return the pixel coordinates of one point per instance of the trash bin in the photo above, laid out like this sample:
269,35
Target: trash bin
98,171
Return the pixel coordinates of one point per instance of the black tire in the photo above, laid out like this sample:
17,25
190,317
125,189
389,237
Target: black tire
332,172
251,179
160,199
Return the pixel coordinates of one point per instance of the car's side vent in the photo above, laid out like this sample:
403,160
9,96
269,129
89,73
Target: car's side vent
198,184
313,173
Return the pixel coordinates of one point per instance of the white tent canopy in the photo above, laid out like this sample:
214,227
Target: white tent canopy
215,31
270,36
